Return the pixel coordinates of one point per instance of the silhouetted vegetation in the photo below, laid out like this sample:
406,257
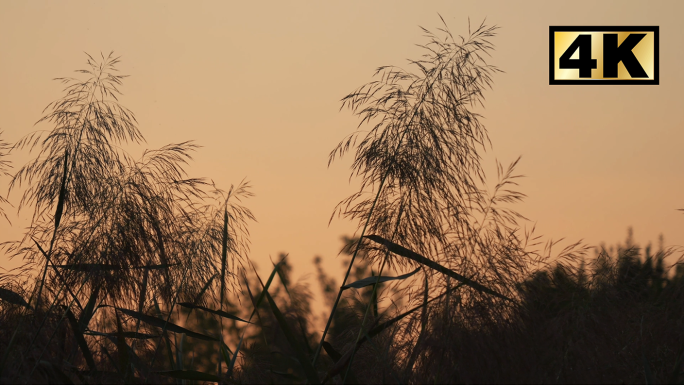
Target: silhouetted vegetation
134,272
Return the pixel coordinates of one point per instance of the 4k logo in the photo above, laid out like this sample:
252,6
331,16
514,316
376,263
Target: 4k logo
603,55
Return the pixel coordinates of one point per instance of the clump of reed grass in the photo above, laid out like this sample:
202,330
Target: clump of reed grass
611,319
423,200
421,150
125,233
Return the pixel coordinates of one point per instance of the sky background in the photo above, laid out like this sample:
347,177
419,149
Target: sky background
258,85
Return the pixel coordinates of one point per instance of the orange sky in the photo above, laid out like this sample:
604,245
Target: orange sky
258,85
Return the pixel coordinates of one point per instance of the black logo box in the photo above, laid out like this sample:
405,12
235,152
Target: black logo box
617,28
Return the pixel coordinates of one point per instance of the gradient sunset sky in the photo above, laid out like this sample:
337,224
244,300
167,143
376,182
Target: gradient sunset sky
258,85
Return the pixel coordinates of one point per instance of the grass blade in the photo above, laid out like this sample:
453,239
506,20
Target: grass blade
372,280
80,339
404,252
265,287
336,357
90,267
111,360
48,262
154,321
162,266
134,335
379,328
58,217
232,360
143,291
224,255
260,322
341,364
332,353
165,333
122,347
299,319
134,359
88,311
217,312
179,352
13,298
256,307
309,370
225,353
204,289
62,193
93,267
421,336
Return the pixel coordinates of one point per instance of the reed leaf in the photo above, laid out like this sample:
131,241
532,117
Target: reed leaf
134,335
224,254
154,321
373,280
259,321
89,310
336,357
135,360
203,290
332,353
165,333
143,291
62,192
179,352
231,366
421,335
309,370
94,267
343,361
266,286
254,311
13,298
404,252
225,353
80,339
122,348
283,280
217,312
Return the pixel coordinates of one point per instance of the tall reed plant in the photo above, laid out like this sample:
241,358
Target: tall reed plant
109,230
420,153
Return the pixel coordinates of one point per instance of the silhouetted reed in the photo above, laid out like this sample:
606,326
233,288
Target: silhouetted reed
422,186
124,231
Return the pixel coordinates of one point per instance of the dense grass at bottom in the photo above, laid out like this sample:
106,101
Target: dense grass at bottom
615,319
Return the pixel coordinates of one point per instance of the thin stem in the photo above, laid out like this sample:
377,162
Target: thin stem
374,293
346,276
